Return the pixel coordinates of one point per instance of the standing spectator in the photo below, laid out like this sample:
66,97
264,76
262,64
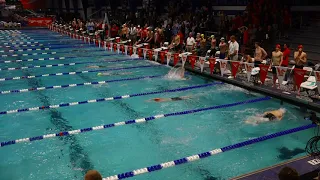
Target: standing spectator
168,33
286,23
133,33
277,58
286,54
223,48
260,54
300,57
190,43
233,49
269,38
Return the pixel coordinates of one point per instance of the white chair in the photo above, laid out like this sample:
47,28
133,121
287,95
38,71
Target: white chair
309,69
309,85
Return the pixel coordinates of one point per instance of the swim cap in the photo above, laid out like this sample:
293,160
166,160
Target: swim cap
300,46
278,46
99,74
157,99
202,35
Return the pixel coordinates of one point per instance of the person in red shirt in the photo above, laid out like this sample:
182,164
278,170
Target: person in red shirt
286,54
114,31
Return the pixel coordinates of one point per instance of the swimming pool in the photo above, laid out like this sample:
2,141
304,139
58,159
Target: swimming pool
120,149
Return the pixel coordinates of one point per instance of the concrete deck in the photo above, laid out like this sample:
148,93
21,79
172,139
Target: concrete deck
306,166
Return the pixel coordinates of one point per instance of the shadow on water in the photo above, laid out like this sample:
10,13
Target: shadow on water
286,154
78,157
206,174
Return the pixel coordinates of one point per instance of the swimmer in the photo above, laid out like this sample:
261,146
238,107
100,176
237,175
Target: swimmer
113,74
96,66
169,99
267,117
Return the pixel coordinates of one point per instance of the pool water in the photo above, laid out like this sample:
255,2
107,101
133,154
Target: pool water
121,149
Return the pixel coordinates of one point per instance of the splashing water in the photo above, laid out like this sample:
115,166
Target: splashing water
175,73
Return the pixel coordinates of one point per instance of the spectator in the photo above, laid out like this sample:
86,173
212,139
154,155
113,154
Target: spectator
168,33
288,173
93,175
190,43
114,31
203,42
260,54
233,49
300,57
277,58
181,36
223,48
259,35
286,54
132,33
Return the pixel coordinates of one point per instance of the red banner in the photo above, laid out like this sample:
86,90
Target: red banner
193,61
108,45
175,58
263,72
212,62
130,50
299,76
114,47
140,52
39,22
162,56
234,68
122,48
33,4
150,54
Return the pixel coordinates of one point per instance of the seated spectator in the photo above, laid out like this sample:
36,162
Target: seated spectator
93,175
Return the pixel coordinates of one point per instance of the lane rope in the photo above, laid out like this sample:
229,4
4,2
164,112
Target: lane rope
67,64
108,99
32,54
75,72
22,45
52,58
203,155
15,43
79,84
129,122
21,50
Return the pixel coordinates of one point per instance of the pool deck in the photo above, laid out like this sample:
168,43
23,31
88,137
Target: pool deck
306,168
290,97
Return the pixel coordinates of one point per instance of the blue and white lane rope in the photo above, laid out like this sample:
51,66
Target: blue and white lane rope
199,156
21,50
108,99
128,122
22,45
35,54
67,64
16,43
76,72
77,85
52,58
31,54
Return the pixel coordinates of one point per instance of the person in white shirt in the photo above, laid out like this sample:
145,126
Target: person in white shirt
133,33
190,43
233,49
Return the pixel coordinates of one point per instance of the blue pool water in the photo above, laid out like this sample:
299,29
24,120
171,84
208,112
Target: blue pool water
121,149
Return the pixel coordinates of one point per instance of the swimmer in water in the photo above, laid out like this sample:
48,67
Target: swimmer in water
267,116
96,66
169,99
113,74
